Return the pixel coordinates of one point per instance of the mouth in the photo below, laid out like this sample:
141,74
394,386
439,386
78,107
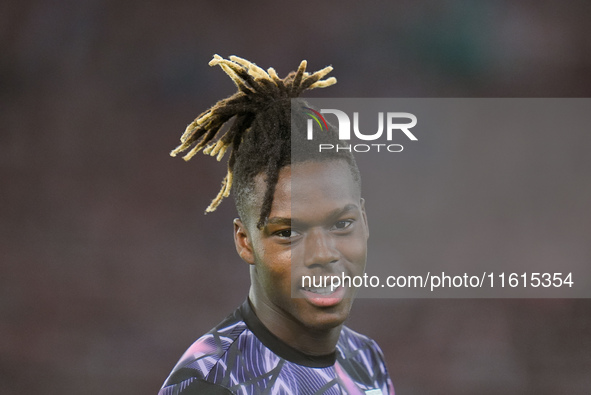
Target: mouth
323,296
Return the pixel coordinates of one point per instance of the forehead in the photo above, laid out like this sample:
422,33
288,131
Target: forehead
310,188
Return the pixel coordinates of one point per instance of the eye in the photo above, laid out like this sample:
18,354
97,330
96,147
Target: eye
343,224
286,233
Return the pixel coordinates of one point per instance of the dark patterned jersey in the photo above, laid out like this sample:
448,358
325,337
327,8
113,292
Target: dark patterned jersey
241,356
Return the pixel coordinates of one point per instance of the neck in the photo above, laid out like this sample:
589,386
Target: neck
310,341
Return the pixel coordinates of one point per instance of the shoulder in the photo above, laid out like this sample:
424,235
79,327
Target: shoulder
189,376
362,357
351,341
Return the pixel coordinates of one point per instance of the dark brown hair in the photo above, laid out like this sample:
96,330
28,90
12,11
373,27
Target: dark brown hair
260,136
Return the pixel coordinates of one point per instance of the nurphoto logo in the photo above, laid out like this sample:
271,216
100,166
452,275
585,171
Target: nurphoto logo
396,123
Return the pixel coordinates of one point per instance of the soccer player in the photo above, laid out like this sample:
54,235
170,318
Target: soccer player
301,214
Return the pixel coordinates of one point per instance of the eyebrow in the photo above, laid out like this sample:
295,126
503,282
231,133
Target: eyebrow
279,221
332,214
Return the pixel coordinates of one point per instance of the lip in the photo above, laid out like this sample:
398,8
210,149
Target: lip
327,300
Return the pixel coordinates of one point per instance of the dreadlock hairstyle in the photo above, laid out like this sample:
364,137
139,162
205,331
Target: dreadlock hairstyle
260,136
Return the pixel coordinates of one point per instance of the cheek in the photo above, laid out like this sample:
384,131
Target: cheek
274,269
355,252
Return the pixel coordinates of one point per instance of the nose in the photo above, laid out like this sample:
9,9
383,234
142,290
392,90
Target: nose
320,248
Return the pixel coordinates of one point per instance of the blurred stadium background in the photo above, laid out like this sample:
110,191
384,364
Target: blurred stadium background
108,268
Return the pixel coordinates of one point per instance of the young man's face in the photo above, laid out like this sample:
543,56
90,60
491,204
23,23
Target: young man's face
317,227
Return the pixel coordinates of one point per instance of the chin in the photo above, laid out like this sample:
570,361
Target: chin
327,319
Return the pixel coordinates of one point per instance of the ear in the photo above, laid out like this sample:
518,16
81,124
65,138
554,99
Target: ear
243,242
362,202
